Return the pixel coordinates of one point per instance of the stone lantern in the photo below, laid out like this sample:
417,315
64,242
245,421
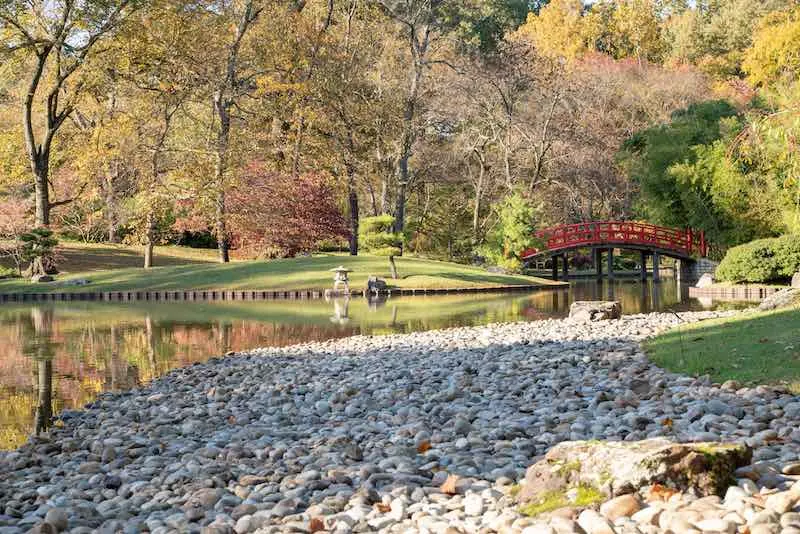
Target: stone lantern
341,280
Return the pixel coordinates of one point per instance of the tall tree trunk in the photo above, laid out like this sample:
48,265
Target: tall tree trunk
384,204
150,238
419,50
223,245
224,99
393,268
111,204
222,108
352,196
476,212
38,155
400,209
42,193
298,145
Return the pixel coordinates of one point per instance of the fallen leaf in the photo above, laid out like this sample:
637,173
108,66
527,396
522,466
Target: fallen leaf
667,422
763,340
449,486
423,447
316,525
383,508
660,493
231,420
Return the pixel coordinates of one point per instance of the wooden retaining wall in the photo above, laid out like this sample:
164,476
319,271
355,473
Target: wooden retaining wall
741,293
243,294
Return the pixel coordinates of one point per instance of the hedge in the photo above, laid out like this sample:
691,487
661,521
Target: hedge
763,260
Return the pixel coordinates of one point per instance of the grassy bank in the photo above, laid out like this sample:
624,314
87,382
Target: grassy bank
291,274
753,348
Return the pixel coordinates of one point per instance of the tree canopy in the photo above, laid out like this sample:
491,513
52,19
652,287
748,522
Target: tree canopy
468,123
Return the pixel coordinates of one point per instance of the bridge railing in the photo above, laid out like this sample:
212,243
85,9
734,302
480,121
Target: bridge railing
687,242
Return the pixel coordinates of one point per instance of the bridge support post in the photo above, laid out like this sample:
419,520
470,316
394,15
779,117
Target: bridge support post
644,265
555,267
598,262
656,267
610,263
565,266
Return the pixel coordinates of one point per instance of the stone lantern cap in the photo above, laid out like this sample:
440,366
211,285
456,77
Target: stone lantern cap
341,269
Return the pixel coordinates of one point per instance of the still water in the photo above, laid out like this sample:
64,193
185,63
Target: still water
61,355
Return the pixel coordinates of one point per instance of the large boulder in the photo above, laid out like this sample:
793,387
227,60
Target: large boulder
376,285
595,310
41,278
706,280
796,280
611,469
780,299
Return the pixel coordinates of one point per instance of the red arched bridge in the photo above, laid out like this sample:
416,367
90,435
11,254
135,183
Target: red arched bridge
651,240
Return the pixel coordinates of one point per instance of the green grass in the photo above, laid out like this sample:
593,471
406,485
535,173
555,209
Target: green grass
105,273
753,348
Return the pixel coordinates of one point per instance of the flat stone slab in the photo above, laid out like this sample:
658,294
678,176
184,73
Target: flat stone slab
595,310
618,468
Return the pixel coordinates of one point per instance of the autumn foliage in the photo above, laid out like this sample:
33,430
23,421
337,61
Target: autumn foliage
277,215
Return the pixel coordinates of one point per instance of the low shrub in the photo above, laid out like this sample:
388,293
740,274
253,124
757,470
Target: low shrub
787,255
8,272
760,261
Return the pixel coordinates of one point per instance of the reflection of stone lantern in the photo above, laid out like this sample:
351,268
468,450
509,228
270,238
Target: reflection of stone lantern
340,279
340,311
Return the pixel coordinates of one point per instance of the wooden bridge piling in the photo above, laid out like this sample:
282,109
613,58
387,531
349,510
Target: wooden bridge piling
656,267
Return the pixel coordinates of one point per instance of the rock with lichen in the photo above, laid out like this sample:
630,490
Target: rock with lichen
590,311
616,468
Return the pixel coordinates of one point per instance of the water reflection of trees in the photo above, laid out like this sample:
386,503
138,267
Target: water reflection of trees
62,357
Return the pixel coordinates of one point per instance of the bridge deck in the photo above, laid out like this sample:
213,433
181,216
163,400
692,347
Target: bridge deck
682,244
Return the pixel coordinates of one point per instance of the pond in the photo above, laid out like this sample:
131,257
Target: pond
62,355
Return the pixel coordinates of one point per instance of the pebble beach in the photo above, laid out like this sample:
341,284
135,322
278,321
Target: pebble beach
428,432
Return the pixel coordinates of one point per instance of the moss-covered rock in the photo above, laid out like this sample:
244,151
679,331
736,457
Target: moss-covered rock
617,468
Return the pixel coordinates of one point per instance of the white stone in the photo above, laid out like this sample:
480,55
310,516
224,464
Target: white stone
473,504
593,523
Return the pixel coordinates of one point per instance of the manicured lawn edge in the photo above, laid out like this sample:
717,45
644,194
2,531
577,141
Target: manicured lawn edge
751,348
306,274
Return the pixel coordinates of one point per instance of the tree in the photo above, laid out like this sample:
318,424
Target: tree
350,106
152,78
714,35
636,31
277,215
230,87
422,23
674,165
558,30
14,223
38,248
775,53
56,40
379,238
514,233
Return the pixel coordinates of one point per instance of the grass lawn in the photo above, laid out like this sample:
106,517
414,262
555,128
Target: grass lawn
110,269
753,348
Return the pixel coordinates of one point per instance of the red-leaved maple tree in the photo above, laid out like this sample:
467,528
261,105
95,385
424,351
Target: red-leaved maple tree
276,215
